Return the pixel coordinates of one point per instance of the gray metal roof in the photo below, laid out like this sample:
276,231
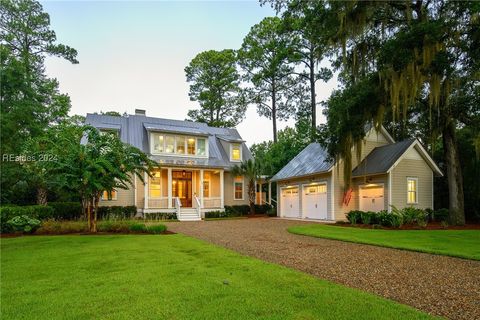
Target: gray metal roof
381,159
311,160
134,131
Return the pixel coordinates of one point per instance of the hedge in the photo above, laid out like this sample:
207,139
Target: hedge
66,210
116,212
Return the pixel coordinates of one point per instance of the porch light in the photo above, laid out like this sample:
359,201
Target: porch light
157,174
184,173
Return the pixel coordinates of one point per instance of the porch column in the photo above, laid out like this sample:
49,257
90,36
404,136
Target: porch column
260,189
145,204
169,188
221,190
269,192
201,188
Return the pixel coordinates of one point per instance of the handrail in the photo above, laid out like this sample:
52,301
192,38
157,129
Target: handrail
199,209
178,205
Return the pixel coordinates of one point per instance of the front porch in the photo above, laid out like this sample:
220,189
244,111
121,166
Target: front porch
188,192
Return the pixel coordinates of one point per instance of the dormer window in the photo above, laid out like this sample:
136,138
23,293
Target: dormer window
182,145
235,152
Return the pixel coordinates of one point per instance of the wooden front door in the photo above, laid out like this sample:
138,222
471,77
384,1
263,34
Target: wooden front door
182,187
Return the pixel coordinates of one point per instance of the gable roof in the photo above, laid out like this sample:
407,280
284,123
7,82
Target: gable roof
383,159
134,130
313,159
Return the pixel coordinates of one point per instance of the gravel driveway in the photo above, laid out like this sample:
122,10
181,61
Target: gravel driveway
439,285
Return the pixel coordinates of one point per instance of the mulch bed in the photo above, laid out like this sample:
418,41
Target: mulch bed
430,226
440,285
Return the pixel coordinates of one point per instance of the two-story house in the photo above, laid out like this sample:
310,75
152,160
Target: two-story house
195,162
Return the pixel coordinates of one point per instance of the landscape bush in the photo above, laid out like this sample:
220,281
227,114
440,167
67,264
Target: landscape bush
116,212
394,219
218,214
272,212
34,212
113,226
235,211
354,216
66,210
156,229
137,227
440,215
262,209
161,215
23,224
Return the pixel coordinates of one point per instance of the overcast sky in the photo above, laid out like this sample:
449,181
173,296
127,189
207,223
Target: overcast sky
133,54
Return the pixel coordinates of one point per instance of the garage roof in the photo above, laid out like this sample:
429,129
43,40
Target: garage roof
313,159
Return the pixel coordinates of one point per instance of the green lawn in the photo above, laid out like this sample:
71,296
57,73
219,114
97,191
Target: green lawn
456,243
167,277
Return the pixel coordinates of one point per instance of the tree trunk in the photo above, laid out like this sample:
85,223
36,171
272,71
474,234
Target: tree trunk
89,215
274,114
97,199
313,99
251,196
41,196
454,176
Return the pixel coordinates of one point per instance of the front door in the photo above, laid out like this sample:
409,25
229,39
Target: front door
182,187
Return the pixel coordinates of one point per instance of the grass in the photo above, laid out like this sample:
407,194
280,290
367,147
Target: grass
167,277
455,243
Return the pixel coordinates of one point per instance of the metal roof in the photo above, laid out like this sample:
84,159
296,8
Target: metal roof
381,159
134,131
311,160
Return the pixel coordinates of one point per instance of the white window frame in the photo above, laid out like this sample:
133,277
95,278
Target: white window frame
243,188
153,135
209,185
416,190
231,152
113,198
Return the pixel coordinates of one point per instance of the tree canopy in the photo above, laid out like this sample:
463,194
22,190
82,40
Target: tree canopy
215,85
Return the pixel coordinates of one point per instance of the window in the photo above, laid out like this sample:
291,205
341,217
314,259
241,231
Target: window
238,188
158,143
235,152
180,145
109,197
169,144
412,190
155,186
191,146
206,185
201,147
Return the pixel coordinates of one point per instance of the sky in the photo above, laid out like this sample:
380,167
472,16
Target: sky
133,54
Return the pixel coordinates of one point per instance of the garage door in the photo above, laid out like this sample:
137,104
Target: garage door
371,198
315,201
290,204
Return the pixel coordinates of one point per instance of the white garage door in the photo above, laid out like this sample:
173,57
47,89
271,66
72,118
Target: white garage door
315,201
371,198
290,204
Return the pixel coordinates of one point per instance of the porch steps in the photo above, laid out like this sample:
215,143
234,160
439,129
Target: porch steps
187,214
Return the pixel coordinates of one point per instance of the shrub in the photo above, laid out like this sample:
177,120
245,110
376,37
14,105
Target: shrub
161,216
62,227
116,212
413,215
217,214
157,228
264,208
35,212
392,219
441,215
354,216
114,226
272,212
66,210
24,224
138,227
366,217
235,211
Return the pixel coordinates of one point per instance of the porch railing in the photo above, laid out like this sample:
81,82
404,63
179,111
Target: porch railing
178,206
158,202
212,202
198,206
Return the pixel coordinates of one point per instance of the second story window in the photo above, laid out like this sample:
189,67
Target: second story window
161,143
235,152
191,146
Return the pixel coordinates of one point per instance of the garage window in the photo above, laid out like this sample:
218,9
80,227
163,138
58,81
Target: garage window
412,190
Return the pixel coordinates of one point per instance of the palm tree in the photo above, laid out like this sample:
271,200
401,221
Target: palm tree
250,170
